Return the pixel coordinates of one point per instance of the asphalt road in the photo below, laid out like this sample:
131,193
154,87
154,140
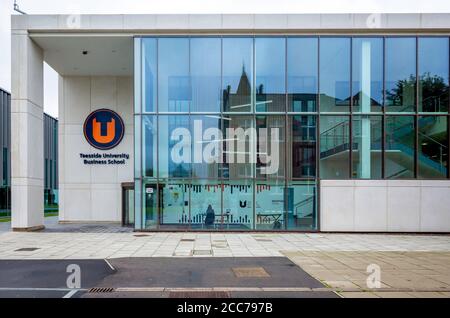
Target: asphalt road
228,277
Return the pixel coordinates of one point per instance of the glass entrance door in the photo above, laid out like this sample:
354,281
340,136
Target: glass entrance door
128,204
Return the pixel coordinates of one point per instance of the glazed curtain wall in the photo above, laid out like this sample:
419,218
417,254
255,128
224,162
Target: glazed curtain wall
345,107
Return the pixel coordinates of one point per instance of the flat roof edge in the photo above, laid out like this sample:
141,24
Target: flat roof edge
234,22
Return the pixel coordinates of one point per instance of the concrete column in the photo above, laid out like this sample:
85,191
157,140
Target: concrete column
27,151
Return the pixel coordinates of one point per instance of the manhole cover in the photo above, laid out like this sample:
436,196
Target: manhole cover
250,272
182,253
202,252
199,294
220,244
26,249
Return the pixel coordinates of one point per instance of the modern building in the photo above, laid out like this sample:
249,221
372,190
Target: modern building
50,164
310,122
50,158
5,158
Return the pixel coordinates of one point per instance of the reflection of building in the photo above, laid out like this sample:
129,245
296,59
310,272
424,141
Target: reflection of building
50,154
50,163
362,117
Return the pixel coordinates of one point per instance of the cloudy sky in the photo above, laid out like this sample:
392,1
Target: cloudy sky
187,6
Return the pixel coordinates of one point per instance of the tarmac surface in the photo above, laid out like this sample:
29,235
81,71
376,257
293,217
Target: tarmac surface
227,277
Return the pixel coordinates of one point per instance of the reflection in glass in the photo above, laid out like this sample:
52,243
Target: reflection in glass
270,67
270,147
399,147
206,205
334,147
366,147
149,71
174,204
301,206
237,74
433,74
238,147
433,147
150,211
367,69
334,74
174,92
174,146
301,150
302,70
206,146
400,74
205,68
238,205
149,152
270,206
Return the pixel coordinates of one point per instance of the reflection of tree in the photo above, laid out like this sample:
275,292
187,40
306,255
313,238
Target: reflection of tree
402,93
433,92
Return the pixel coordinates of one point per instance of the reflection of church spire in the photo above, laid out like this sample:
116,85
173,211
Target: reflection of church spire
244,87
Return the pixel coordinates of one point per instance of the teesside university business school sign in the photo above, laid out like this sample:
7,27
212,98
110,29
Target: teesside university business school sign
104,130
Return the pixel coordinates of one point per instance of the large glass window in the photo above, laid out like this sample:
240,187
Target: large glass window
334,147
270,206
301,149
433,74
174,146
207,153
149,72
367,72
205,68
206,205
302,71
238,204
367,142
400,74
239,147
399,147
334,74
149,145
270,69
173,197
174,91
237,74
433,147
301,206
270,147
235,131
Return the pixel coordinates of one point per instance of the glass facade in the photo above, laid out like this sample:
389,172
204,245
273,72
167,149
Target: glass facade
235,133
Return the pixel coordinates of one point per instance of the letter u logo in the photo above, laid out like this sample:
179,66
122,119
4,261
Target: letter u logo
103,129
110,131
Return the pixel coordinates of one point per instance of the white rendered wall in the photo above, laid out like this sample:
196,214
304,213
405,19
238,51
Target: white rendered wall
27,133
385,205
92,192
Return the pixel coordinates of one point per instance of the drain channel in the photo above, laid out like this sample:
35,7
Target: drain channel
101,290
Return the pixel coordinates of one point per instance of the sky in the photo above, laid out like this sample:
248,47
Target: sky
185,6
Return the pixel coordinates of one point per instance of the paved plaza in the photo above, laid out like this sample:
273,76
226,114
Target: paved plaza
410,265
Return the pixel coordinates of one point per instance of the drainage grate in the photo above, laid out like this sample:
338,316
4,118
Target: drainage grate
202,252
141,235
263,240
250,272
98,290
187,240
199,294
26,249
